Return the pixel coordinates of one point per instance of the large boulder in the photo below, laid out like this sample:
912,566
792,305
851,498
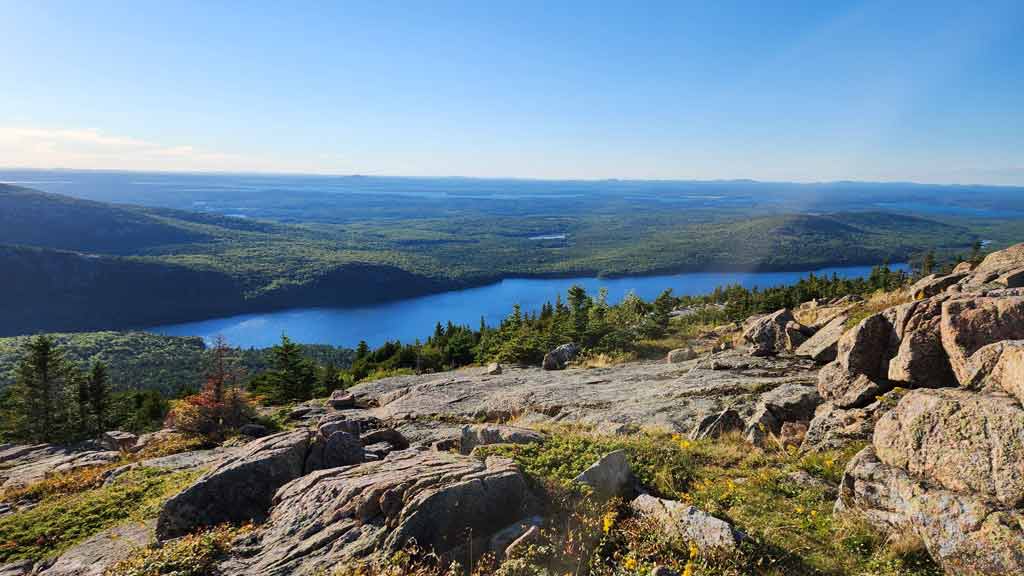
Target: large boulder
970,324
483,434
118,440
716,424
338,448
866,348
960,440
609,477
774,333
999,367
680,355
834,428
920,359
934,284
821,347
238,489
996,265
847,389
789,402
341,515
964,533
688,523
341,399
560,357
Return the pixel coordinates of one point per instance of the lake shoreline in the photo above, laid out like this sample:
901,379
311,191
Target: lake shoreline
409,318
268,304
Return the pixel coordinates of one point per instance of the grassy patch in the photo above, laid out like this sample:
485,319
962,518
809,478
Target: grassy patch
62,519
193,555
81,479
877,302
792,527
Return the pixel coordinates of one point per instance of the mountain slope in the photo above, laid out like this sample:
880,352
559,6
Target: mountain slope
32,218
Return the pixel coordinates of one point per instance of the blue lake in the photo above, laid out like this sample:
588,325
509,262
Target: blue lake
414,318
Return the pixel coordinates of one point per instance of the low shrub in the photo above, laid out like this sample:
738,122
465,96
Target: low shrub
59,521
192,555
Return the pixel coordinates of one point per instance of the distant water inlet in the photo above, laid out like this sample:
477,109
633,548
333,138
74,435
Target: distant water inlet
414,318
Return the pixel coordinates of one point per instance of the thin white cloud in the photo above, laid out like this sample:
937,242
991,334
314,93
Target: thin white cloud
91,148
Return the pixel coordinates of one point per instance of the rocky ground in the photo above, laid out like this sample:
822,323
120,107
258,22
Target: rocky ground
930,383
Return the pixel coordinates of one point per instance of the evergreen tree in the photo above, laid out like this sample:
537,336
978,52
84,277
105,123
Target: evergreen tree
98,395
362,350
661,315
579,305
42,394
330,378
928,264
293,376
976,252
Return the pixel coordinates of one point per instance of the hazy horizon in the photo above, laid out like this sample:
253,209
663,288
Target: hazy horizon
257,173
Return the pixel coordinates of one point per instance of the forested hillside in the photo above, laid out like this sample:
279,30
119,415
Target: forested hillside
82,265
145,361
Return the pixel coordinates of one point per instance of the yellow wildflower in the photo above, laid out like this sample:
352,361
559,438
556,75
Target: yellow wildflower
608,522
688,571
629,563
693,550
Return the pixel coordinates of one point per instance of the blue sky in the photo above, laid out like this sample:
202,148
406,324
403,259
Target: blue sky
924,91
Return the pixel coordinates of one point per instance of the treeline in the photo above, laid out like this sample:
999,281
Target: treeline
597,326
174,365
737,303
58,389
55,400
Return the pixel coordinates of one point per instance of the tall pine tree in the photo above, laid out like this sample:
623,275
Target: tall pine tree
43,395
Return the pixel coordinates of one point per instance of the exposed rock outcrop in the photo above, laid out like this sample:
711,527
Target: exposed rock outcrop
934,284
833,428
668,396
345,514
21,465
866,348
238,489
609,477
775,333
716,424
688,523
95,555
787,403
920,359
957,439
560,357
483,434
999,367
847,389
969,324
118,440
964,533
680,355
341,399
821,347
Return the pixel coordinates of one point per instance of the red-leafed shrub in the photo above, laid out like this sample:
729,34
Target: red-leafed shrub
220,408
